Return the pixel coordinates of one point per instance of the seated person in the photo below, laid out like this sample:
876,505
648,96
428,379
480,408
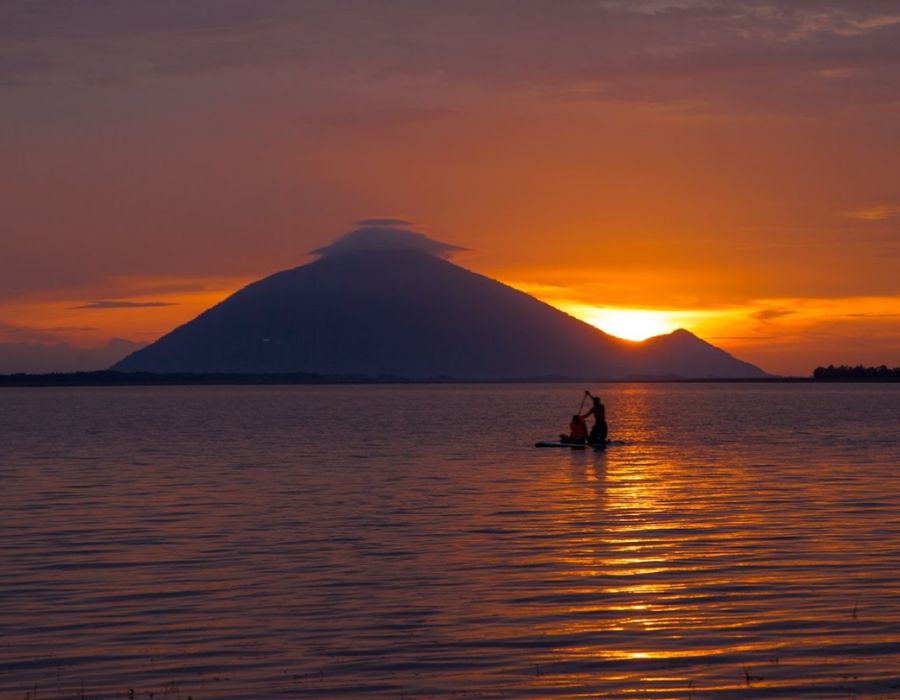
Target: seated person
577,431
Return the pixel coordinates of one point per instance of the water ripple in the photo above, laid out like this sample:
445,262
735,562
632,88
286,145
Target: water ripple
739,542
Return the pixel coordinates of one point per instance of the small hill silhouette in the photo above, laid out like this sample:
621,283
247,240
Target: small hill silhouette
384,301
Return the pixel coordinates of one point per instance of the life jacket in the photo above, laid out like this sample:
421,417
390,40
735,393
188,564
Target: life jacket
578,431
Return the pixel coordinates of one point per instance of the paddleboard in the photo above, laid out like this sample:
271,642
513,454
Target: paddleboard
572,445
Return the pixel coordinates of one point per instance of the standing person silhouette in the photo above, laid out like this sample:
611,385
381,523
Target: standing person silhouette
600,429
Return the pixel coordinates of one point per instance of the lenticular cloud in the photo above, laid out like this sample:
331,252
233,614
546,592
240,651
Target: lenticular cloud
386,234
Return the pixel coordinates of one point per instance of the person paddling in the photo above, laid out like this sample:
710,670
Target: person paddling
600,429
578,433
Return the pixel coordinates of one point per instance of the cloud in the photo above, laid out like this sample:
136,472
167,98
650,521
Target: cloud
748,338
386,234
774,54
19,333
771,314
385,221
881,212
650,7
114,304
376,115
841,22
37,357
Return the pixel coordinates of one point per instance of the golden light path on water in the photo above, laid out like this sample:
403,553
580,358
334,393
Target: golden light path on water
655,525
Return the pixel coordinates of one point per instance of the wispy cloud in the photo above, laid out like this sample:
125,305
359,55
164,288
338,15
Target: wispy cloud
23,333
29,355
841,22
660,51
880,212
116,304
880,315
771,314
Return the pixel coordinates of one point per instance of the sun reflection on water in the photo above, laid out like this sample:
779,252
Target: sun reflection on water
640,595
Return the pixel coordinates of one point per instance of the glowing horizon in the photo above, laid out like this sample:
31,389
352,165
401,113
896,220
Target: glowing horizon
625,323
751,202
782,335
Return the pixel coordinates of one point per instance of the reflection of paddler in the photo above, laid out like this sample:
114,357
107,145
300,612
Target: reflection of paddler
578,433
600,429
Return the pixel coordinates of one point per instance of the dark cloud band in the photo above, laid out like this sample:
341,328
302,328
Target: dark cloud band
112,304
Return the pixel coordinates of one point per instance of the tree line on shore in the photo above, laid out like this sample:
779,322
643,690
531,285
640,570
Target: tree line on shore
882,373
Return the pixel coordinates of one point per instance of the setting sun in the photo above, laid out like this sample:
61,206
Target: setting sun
630,324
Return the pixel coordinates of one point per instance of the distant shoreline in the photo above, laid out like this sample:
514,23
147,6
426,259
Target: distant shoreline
110,378
113,378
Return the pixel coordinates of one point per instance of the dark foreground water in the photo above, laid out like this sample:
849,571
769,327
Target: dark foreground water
409,542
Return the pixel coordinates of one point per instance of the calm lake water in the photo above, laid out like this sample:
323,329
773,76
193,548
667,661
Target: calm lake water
410,542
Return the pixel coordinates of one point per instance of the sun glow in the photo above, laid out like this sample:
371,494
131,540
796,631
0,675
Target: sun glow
631,324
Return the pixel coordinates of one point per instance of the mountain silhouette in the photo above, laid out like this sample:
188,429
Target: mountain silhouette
683,354
367,309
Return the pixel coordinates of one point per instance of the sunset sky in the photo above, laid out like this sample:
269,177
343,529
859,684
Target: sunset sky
728,167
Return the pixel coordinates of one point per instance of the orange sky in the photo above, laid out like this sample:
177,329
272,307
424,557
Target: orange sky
730,164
